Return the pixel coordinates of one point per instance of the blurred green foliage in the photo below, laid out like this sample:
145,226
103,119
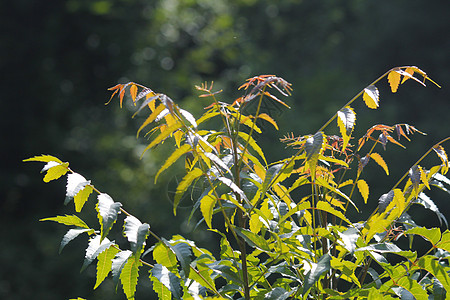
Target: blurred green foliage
57,59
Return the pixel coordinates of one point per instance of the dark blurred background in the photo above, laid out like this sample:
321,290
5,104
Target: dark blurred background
57,58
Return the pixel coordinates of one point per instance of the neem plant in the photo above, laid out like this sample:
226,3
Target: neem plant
286,231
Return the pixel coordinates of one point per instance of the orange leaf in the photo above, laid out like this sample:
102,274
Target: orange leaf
133,92
380,161
394,80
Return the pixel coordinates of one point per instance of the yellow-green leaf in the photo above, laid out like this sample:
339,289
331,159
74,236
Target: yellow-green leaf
207,204
163,135
363,188
67,220
82,197
152,117
346,122
164,255
104,264
184,184
394,80
325,206
371,97
129,277
266,117
43,158
173,158
252,144
56,172
380,161
433,235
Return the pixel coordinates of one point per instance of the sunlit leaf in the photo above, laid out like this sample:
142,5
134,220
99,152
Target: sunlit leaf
443,156
346,122
68,220
136,233
319,268
71,234
325,206
207,204
415,175
75,183
183,253
433,235
363,188
104,264
252,144
163,135
277,293
44,158
96,246
161,290
371,97
266,117
184,184
151,118
133,92
432,265
82,196
380,161
188,117
394,80
168,279
108,210
253,239
163,255
173,158
129,277
55,170
118,263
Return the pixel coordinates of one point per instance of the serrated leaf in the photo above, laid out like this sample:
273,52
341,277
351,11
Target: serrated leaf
108,210
129,277
96,246
163,135
183,186
251,141
228,182
363,188
254,240
325,206
271,173
322,266
151,118
168,279
433,235
426,202
104,264
118,263
136,233
55,171
75,183
432,265
394,80
183,253
82,197
68,220
207,204
277,293
161,290
346,122
443,156
413,287
266,117
371,97
44,158
163,255
188,116
70,235
173,158
133,92
380,161
415,175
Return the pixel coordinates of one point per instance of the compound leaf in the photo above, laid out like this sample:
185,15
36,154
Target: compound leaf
432,265
104,264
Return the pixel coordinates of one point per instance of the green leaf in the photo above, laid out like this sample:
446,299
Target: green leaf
118,263
444,243
183,253
43,158
136,233
346,122
129,277
168,279
163,255
432,265
70,235
277,293
371,97
325,206
202,276
323,182
381,248
433,235
108,210
252,239
184,184
413,287
96,246
173,158
104,264
317,269
160,289
207,204
271,173
68,220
